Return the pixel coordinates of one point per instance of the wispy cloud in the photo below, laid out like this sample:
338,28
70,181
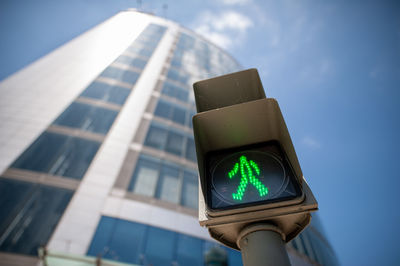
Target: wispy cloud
226,29
235,2
290,33
316,72
231,20
311,142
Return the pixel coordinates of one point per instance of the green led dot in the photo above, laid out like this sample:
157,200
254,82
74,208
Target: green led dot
249,166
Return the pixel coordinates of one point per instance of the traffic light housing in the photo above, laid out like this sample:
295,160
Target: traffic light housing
249,171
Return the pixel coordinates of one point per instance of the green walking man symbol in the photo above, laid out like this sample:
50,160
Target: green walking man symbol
246,170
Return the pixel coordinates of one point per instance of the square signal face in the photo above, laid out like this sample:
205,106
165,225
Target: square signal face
249,176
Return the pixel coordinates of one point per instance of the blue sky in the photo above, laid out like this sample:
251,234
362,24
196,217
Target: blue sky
334,67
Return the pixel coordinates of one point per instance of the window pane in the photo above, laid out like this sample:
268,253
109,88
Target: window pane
117,95
34,216
159,249
186,41
175,91
189,251
120,74
131,61
177,76
126,241
145,38
87,117
191,150
144,181
190,190
176,62
141,244
97,90
179,115
156,137
118,240
58,154
163,109
143,51
234,258
76,158
100,245
106,92
174,143
13,196
169,184
182,95
148,41
214,254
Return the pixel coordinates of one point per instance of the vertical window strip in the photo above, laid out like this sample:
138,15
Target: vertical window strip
171,140
164,180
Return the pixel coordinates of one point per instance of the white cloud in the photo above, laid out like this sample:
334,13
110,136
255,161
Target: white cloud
225,29
218,38
235,2
231,20
311,143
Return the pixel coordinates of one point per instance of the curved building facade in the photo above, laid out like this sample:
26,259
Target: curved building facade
98,160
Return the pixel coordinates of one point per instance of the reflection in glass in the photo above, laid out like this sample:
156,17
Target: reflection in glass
188,250
171,111
178,76
131,61
87,117
156,137
165,180
159,247
58,154
174,143
29,213
146,181
169,185
145,177
124,75
163,109
143,51
190,190
136,243
106,92
118,240
175,91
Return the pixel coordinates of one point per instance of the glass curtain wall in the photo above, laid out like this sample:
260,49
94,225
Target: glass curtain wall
150,245
170,131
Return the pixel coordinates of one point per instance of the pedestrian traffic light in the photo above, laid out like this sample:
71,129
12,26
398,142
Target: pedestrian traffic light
249,176
249,171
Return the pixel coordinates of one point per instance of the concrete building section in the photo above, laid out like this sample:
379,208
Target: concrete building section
98,158
156,216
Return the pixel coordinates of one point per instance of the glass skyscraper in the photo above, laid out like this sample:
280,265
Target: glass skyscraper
97,156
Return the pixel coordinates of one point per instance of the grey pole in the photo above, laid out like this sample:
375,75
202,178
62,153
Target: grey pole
263,245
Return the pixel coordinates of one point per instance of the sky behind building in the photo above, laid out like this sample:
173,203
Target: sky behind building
333,67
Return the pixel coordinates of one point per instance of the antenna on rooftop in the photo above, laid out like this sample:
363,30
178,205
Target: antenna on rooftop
165,8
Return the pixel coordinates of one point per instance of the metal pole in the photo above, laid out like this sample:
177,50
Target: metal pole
263,245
